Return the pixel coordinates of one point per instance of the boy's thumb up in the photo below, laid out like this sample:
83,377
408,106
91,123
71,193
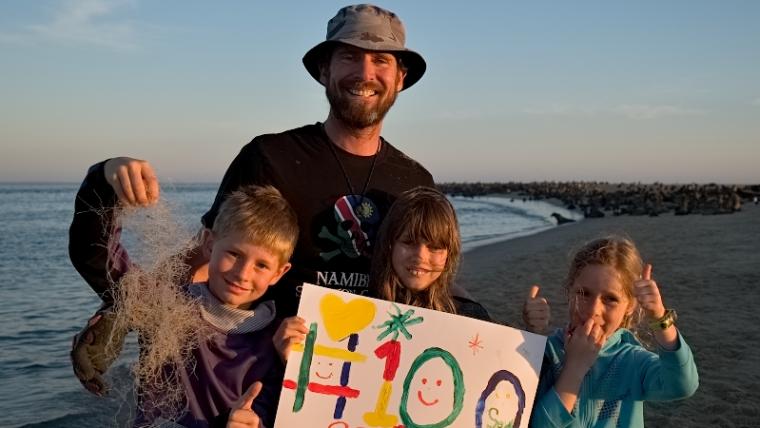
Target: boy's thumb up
241,413
246,400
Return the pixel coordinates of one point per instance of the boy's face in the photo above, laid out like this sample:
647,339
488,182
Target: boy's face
240,272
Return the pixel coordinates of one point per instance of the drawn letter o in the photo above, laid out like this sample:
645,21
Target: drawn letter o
457,376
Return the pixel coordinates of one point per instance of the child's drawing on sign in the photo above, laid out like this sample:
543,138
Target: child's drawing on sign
475,344
390,352
341,320
502,402
371,363
435,403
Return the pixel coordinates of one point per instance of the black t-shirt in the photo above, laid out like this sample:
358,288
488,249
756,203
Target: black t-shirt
337,226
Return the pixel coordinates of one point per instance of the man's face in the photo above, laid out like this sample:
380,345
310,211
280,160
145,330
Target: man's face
361,85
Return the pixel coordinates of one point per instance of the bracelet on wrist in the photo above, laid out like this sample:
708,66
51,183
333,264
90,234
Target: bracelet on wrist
665,321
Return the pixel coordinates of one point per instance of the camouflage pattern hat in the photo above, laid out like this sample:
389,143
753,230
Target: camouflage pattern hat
367,27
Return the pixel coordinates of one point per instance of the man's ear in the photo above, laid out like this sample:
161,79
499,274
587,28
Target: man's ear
401,77
208,243
324,73
283,270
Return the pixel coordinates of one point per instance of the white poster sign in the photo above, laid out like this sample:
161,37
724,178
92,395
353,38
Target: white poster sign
372,363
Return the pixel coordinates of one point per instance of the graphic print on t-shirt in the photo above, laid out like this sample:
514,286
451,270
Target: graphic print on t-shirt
356,222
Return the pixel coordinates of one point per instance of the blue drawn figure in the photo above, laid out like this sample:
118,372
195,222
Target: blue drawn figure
502,398
357,219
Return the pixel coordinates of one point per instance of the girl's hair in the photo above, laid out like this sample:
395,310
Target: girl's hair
419,215
620,254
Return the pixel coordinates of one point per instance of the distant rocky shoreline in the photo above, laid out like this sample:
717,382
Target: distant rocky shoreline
597,199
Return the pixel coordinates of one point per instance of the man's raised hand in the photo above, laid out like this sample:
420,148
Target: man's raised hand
133,180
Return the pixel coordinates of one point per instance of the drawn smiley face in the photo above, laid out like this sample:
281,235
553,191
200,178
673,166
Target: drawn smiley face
502,405
324,369
502,401
421,397
432,391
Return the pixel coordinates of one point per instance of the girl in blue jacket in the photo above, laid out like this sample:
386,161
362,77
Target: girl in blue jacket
595,372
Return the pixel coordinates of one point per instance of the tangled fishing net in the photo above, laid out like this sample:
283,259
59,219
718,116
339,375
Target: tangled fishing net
150,300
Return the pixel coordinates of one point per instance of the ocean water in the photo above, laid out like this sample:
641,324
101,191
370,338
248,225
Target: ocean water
43,302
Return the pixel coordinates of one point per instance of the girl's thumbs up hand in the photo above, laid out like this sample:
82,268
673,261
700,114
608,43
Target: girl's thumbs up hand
648,295
536,312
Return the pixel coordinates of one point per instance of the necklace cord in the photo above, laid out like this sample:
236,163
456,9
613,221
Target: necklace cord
330,143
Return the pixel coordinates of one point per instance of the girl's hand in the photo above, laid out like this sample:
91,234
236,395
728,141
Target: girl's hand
536,312
242,414
648,295
291,331
582,347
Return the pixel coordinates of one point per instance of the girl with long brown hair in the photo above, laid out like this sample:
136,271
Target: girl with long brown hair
417,254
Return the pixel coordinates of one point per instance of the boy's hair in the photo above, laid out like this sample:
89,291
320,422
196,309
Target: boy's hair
422,215
617,252
260,215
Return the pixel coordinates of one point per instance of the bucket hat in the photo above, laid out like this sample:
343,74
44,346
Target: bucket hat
371,28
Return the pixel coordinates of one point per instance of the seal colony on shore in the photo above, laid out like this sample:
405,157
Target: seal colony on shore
596,199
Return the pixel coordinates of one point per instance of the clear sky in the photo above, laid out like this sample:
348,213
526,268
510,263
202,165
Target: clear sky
541,90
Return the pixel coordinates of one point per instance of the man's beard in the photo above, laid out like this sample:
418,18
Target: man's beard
355,113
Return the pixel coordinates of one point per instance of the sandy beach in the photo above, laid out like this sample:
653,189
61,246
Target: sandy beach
708,269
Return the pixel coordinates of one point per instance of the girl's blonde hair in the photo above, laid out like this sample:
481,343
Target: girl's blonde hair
620,254
420,215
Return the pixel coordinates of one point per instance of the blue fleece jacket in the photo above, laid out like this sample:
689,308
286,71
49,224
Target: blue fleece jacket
624,375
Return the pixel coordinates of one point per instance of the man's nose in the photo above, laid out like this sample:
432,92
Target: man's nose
366,68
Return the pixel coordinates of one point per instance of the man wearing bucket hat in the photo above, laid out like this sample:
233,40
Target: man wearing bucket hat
340,176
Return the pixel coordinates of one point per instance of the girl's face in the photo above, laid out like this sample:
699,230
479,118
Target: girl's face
416,264
597,293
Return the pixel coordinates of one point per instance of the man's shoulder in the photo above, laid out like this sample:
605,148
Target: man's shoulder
306,132
397,158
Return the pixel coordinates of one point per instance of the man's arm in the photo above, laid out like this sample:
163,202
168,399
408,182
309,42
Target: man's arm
94,247
96,253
